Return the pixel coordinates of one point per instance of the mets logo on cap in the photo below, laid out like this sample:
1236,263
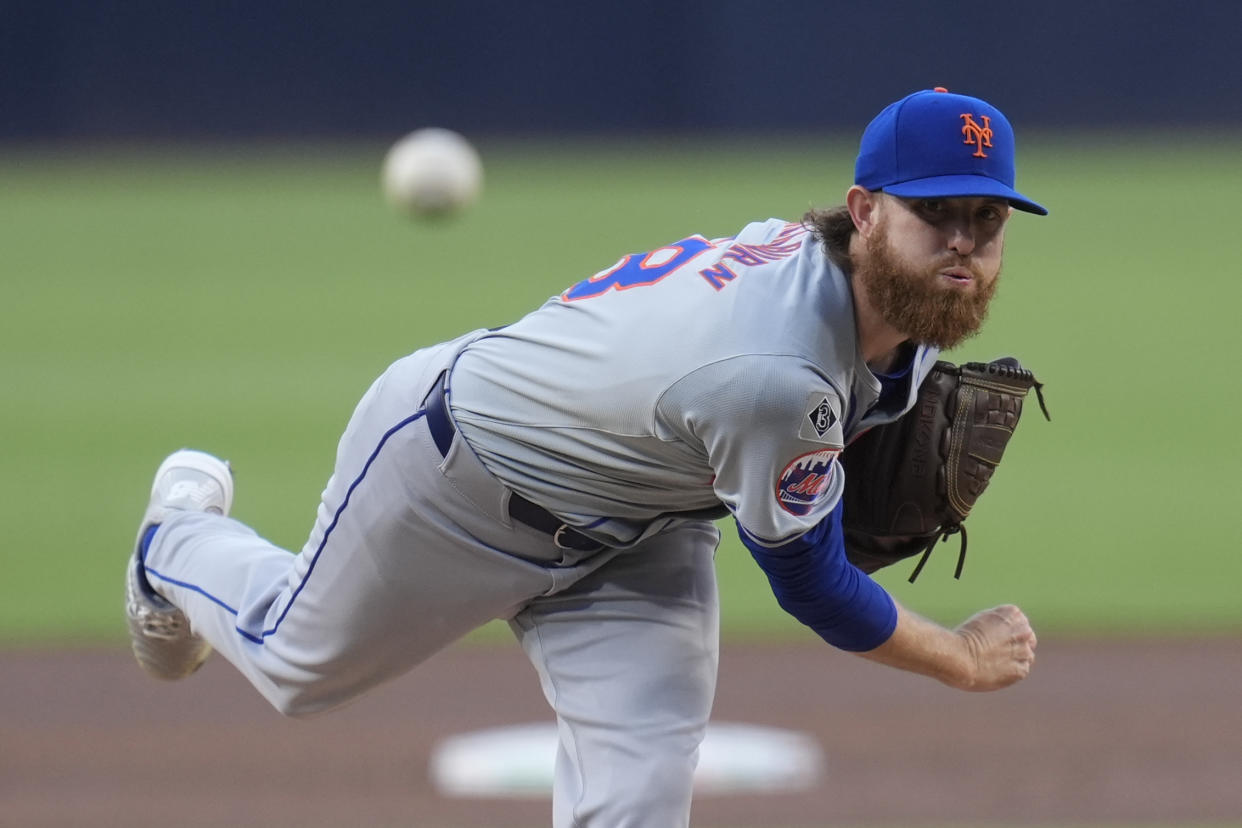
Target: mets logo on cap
978,135
805,481
937,144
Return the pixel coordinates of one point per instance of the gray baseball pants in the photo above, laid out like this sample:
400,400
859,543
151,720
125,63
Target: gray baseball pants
413,549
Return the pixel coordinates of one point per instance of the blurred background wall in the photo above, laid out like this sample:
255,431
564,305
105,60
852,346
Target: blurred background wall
241,69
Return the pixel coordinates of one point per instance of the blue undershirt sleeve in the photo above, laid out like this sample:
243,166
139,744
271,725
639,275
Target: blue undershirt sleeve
815,583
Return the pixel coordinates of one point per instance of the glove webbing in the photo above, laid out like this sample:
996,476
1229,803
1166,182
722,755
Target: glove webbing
1006,368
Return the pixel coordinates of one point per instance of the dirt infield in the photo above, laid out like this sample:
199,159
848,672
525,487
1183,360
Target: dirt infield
1121,732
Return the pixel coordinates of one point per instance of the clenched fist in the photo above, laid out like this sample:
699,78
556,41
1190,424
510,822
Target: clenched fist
1001,647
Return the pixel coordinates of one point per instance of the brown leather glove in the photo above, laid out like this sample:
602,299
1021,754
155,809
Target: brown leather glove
911,483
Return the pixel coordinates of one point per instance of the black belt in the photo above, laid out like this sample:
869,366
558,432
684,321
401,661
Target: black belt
520,509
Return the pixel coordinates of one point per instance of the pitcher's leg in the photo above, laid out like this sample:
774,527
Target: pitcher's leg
394,569
627,658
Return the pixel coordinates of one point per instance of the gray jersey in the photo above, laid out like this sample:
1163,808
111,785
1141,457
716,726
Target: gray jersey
707,372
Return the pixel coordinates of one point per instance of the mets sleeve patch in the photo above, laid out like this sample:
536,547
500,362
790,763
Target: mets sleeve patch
822,422
805,481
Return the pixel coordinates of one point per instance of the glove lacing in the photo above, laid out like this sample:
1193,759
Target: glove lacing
943,535
1009,367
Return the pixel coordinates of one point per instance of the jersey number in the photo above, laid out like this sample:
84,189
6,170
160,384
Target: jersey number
639,269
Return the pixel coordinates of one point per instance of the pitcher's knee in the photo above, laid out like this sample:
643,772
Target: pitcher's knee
293,705
304,684
300,701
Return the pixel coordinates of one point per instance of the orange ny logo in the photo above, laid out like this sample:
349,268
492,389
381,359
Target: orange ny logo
979,136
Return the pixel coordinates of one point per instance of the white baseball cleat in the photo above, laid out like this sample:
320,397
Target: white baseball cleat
160,634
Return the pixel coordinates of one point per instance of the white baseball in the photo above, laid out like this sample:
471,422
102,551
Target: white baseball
432,171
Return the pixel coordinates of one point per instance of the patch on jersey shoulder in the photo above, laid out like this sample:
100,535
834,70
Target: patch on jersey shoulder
822,423
805,481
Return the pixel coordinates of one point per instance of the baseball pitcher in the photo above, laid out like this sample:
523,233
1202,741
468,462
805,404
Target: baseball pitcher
566,473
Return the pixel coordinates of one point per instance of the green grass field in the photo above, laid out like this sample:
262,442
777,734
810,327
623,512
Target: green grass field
241,301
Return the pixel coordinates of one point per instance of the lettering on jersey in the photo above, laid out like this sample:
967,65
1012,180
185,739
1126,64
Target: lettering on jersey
822,422
718,275
639,269
786,243
805,481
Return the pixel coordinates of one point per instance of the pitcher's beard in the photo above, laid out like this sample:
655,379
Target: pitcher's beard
918,304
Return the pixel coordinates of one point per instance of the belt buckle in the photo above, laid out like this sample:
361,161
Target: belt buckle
569,531
556,536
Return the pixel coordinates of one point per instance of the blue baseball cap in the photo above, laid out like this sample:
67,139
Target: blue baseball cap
937,144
